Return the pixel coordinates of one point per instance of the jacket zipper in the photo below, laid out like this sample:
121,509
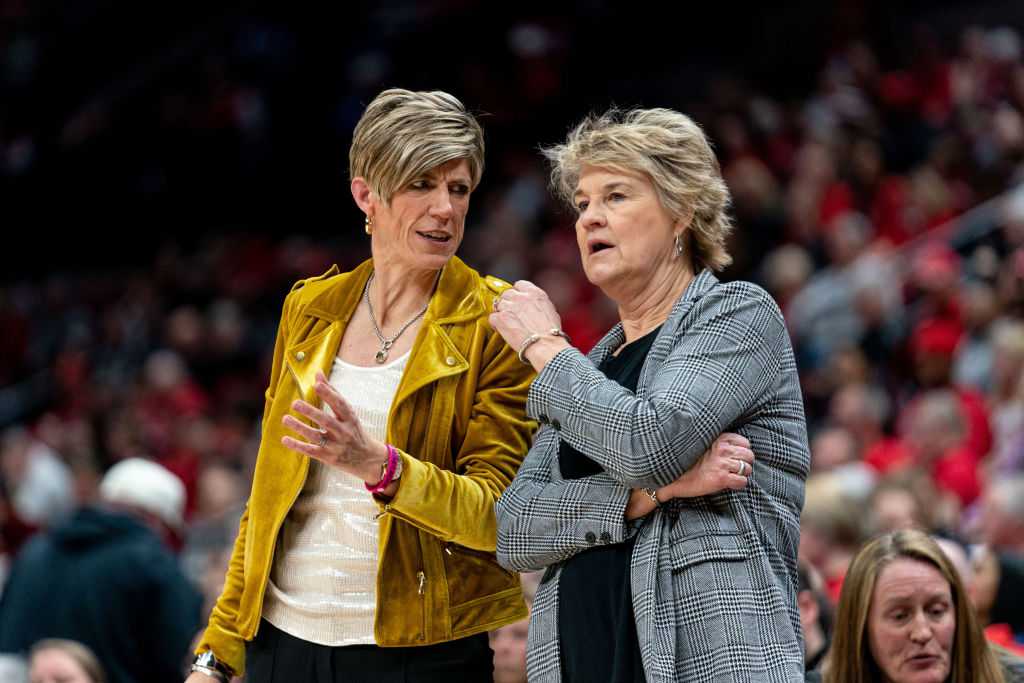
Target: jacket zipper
422,590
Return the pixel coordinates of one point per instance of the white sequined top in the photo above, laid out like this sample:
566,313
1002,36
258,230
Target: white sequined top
323,586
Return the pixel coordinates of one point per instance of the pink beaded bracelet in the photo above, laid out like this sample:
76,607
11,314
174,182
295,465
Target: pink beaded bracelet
389,472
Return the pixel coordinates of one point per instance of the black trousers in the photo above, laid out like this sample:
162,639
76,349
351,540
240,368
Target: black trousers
278,657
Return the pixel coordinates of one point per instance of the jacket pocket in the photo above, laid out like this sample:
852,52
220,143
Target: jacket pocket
692,550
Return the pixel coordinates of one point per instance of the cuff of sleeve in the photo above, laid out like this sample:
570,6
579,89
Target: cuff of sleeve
605,522
229,649
411,490
546,400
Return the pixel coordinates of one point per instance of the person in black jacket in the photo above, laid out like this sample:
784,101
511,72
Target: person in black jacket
107,578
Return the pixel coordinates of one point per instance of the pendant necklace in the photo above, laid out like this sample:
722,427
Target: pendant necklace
385,342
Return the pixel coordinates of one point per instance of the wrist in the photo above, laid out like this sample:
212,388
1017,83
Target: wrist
546,347
207,664
373,471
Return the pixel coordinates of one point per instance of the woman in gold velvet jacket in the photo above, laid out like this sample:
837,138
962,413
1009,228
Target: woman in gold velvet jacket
387,378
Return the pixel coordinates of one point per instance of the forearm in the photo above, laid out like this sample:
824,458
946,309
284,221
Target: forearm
540,524
454,507
221,634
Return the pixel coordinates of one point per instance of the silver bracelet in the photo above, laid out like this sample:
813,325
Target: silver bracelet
653,495
535,337
527,343
211,672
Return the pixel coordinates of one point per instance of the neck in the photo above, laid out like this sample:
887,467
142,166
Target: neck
398,293
651,306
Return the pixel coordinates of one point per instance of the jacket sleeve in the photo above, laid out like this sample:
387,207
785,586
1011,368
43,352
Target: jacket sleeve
721,368
221,634
543,520
458,506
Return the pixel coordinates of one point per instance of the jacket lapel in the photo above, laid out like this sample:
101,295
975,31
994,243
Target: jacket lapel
435,354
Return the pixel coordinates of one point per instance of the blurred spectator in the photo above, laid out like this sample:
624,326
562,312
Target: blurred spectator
64,661
38,482
997,590
903,500
935,438
509,642
1001,518
107,579
831,530
815,616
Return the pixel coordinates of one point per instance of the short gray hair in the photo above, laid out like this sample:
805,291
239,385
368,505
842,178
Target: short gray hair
670,149
403,134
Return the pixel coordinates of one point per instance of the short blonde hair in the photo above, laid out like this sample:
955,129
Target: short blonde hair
671,150
403,134
850,659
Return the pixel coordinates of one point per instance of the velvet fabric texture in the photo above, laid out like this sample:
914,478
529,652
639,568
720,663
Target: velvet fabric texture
459,410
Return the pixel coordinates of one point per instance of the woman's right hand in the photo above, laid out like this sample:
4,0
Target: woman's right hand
716,470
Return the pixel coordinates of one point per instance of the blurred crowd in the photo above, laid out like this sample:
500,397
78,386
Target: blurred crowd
883,209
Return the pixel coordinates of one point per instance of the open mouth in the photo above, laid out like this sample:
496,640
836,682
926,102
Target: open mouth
435,236
598,245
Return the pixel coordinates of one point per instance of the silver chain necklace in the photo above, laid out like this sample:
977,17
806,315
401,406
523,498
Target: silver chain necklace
385,343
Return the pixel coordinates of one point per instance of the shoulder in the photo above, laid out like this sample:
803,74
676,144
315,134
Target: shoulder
466,279
743,303
331,272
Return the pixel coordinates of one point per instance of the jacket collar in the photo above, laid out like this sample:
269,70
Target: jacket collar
434,353
701,284
459,298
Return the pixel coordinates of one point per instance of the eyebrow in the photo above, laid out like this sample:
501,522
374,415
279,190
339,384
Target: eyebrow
607,187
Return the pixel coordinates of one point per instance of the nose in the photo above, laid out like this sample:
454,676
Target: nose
921,630
441,203
591,217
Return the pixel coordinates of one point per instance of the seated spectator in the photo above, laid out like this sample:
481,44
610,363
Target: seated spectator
831,529
815,616
107,579
900,501
904,617
64,661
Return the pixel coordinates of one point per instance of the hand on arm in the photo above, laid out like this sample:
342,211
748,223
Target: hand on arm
716,470
522,312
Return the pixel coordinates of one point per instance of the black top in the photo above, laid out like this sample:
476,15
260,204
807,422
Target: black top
596,628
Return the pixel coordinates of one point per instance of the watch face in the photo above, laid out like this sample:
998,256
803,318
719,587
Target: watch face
207,659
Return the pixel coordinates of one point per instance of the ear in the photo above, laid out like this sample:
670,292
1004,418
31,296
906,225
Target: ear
364,196
682,222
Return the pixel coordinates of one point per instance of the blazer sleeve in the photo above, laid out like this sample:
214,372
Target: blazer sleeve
721,367
221,634
458,506
543,519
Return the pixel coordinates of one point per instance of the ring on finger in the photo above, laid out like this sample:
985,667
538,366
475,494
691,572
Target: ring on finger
323,438
494,305
742,468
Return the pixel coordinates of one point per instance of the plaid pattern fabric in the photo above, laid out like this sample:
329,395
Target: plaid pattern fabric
713,578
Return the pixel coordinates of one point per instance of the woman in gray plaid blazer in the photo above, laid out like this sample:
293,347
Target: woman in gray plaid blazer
711,580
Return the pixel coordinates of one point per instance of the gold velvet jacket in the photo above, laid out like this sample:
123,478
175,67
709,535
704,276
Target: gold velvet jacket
459,422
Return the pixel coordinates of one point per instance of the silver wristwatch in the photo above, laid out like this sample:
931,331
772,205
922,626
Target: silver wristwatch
207,663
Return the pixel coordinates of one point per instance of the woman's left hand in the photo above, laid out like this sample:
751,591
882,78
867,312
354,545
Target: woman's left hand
340,441
525,310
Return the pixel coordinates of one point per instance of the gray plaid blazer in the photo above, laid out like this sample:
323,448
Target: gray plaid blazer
714,578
